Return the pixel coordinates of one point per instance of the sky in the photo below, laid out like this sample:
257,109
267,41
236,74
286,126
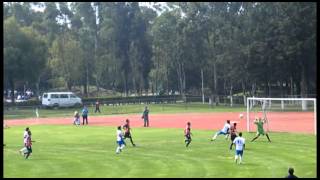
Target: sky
148,4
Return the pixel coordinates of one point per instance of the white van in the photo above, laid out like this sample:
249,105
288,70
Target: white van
60,99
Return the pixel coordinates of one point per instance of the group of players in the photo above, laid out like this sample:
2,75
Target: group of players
228,129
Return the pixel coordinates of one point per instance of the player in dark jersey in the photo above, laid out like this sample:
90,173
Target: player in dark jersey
233,133
187,134
127,133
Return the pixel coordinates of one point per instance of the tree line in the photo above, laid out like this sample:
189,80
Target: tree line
252,49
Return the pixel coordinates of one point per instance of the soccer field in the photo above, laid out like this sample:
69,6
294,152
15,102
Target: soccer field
89,151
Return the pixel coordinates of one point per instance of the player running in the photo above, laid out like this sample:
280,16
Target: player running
76,118
120,141
223,131
240,144
233,133
127,133
260,130
28,145
187,134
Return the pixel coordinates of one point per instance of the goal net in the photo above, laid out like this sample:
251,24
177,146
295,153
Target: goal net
283,114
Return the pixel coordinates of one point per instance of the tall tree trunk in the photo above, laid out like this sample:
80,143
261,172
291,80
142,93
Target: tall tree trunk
281,88
167,80
181,76
69,85
12,90
291,86
215,83
125,85
303,83
244,93
303,88
269,90
202,91
37,88
253,89
184,83
231,95
134,85
97,84
87,80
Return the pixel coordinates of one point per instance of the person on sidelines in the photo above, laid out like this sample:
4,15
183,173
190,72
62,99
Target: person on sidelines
187,134
260,131
76,118
291,175
85,114
240,145
233,133
97,107
127,133
224,130
145,117
120,141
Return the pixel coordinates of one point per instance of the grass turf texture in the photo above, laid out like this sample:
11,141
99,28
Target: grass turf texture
70,151
20,113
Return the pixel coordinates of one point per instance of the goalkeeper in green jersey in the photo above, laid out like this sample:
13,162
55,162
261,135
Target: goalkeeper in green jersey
260,130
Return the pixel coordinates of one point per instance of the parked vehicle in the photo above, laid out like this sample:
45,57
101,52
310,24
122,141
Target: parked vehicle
60,99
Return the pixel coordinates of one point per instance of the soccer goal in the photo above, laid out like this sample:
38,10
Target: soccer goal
283,114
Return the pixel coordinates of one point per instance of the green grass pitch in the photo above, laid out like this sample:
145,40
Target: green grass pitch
88,151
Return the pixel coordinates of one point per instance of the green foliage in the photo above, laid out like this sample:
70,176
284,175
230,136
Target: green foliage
246,47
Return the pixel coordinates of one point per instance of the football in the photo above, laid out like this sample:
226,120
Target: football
241,116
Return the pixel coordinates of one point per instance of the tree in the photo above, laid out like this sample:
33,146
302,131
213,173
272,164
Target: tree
24,54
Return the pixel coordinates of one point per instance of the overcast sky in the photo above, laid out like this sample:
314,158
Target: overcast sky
148,4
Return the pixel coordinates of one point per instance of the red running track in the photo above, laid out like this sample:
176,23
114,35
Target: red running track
301,122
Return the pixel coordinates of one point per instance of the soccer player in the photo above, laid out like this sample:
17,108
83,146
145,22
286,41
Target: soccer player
120,141
260,130
223,131
28,145
145,117
187,134
76,118
240,144
127,133
25,138
233,133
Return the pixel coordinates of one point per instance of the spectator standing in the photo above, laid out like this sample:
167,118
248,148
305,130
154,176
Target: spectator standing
97,107
85,115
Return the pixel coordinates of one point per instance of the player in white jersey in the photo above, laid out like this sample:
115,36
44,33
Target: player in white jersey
25,138
240,144
224,130
120,141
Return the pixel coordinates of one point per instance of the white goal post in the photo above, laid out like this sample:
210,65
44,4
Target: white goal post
251,101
